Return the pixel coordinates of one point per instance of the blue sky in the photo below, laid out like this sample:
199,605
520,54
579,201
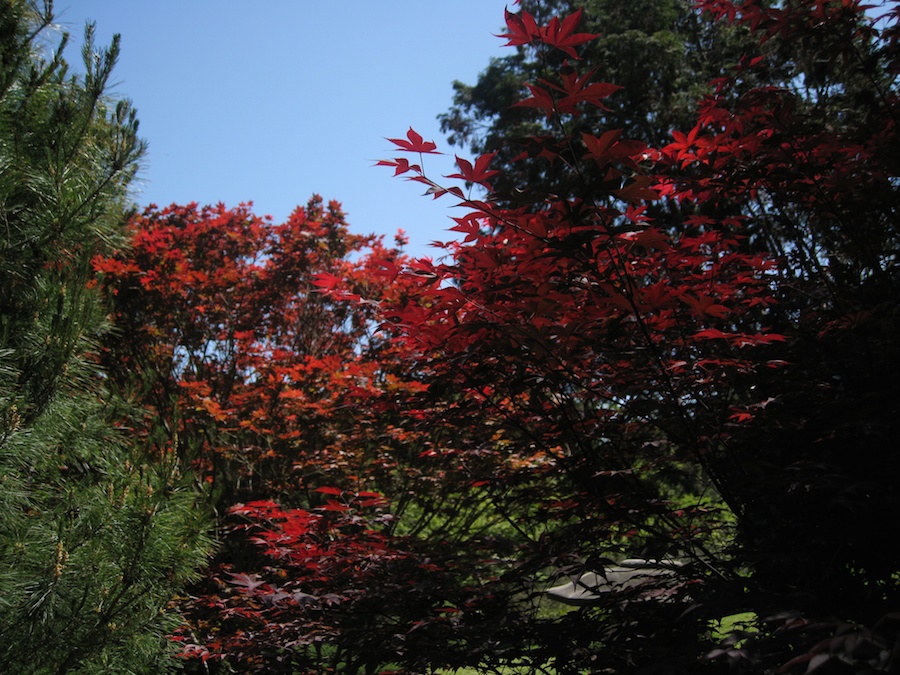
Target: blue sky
274,100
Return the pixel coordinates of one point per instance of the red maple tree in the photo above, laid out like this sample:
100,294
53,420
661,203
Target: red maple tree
714,381
226,339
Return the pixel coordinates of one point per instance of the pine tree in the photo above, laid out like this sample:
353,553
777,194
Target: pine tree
95,537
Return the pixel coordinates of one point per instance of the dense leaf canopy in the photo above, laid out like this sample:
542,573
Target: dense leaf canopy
665,341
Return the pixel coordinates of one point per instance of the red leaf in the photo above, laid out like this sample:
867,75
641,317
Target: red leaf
415,143
477,174
326,282
334,506
711,334
522,29
575,89
401,165
705,305
540,98
560,34
650,238
598,147
638,190
580,89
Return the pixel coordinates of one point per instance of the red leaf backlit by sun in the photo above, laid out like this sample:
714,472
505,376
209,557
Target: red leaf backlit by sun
562,35
479,173
415,143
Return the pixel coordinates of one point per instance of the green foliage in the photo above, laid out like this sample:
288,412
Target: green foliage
92,544
65,161
95,539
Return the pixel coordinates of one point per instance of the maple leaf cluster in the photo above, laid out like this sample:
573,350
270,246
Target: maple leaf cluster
332,574
230,339
648,354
